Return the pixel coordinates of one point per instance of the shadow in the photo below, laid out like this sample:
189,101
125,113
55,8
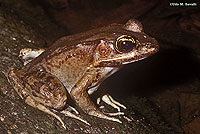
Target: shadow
145,78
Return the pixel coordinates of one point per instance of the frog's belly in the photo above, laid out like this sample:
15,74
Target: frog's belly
69,77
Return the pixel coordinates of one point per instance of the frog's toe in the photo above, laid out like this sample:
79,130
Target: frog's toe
70,108
69,114
119,113
101,115
110,101
115,114
128,119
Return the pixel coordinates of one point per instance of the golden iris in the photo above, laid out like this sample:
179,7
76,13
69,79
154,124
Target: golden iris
125,43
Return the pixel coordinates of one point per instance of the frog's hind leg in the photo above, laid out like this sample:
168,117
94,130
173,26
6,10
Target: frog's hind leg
23,91
29,86
41,107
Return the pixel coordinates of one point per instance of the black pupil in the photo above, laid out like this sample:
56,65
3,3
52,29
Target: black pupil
127,45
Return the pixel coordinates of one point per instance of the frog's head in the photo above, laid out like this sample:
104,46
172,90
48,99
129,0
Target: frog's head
127,43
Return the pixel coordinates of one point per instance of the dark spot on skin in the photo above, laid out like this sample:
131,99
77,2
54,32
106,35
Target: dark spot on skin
59,51
60,63
56,85
38,84
42,75
48,63
48,79
24,96
56,66
52,86
46,92
35,88
98,76
34,94
22,77
68,56
48,68
24,84
90,85
26,76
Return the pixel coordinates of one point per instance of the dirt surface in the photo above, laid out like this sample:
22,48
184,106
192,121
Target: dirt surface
162,92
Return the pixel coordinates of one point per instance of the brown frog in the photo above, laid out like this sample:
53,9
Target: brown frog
76,65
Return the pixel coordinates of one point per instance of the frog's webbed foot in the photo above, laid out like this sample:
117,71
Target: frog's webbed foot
41,107
110,101
69,114
99,114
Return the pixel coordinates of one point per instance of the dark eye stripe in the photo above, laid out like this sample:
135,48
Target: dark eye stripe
125,43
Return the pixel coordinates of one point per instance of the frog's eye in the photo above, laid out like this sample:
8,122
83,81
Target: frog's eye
125,43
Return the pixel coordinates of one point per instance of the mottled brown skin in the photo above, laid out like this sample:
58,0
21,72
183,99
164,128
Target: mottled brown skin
80,62
43,87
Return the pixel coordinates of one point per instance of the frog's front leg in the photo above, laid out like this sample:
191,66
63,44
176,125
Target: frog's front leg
80,96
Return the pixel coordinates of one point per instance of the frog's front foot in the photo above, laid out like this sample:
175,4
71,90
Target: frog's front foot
110,101
83,101
115,104
26,55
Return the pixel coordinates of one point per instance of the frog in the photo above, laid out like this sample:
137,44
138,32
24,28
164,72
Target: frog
75,65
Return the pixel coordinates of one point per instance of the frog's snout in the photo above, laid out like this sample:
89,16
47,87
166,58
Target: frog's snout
151,47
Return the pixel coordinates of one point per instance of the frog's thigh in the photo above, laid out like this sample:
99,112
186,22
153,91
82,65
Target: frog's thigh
40,99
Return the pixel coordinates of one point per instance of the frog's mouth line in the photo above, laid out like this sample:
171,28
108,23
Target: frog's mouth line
133,57
140,56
